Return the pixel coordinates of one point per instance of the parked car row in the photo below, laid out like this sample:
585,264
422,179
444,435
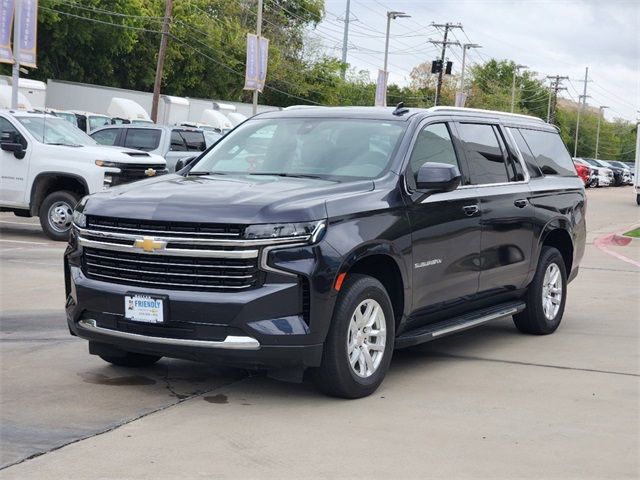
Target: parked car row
603,173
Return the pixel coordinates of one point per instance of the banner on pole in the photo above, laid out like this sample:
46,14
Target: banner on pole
251,77
28,33
7,8
263,54
381,89
461,98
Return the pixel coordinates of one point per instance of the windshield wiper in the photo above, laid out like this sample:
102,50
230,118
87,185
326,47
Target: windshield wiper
291,175
202,174
64,144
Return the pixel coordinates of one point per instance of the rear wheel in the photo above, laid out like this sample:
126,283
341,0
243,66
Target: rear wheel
638,198
359,344
56,214
546,295
131,359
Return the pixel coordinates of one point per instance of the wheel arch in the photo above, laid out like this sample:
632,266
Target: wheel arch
558,236
381,262
48,182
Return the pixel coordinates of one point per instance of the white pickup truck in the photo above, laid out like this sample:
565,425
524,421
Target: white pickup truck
47,165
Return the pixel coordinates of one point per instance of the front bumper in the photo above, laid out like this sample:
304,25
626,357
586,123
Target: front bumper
281,323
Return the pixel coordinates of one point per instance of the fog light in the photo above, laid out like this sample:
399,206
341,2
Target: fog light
108,179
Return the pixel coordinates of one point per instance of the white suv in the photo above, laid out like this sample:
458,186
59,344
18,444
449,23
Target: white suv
47,165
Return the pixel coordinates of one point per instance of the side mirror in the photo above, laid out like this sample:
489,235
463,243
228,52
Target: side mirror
9,143
184,163
438,177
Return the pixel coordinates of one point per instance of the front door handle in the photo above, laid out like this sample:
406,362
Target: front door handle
470,210
520,203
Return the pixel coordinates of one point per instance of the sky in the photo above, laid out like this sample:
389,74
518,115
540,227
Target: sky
551,37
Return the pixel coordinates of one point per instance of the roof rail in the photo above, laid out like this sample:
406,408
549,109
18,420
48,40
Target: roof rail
479,110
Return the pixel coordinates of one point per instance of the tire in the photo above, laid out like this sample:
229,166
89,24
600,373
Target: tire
536,318
336,376
56,213
131,360
638,198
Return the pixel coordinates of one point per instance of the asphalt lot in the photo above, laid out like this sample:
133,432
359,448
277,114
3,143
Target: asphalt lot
488,403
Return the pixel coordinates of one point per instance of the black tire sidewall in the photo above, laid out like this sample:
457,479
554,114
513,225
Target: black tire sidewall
536,321
62,196
336,370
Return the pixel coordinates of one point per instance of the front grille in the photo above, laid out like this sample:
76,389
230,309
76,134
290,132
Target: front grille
182,273
133,171
149,227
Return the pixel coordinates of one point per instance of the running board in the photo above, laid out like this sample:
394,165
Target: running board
457,324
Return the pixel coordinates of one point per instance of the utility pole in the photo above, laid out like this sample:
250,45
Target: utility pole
390,16
15,73
460,97
447,26
516,70
600,112
160,65
556,86
345,38
582,97
259,34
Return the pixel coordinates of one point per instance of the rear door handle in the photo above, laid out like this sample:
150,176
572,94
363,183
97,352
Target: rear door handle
520,203
470,210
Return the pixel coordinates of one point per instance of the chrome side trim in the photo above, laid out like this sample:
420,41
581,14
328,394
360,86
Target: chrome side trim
195,241
232,342
473,323
154,284
178,252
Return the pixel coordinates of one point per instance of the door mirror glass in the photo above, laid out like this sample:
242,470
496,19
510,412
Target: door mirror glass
438,177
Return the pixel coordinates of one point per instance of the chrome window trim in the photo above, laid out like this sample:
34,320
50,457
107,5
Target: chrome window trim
231,342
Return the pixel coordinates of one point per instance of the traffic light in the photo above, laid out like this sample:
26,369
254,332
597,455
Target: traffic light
447,70
436,66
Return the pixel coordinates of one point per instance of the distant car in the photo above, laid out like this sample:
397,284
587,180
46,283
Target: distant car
584,172
604,175
619,174
65,115
628,176
172,143
89,121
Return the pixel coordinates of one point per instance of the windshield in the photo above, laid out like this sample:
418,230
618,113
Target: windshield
69,117
320,147
55,131
593,162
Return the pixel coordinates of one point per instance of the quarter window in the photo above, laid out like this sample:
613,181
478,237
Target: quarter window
550,153
145,139
485,158
433,144
532,166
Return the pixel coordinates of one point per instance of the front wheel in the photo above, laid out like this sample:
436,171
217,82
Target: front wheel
638,198
546,295
359,344
56,214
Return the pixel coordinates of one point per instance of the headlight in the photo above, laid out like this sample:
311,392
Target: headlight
104,163
304,230
79,219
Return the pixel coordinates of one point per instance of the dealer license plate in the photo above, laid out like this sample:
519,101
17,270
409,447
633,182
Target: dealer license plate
142,308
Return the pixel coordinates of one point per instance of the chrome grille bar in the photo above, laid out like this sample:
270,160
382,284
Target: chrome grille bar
238,277
156,283
172,264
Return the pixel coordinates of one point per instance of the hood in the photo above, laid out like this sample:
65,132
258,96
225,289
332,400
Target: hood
120,154
222,199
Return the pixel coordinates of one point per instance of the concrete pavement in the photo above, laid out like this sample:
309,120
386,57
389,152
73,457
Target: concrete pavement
487,403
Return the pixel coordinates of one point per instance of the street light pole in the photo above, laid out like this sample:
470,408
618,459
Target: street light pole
15,74
460,97
259,34
602,107
390,16
516,69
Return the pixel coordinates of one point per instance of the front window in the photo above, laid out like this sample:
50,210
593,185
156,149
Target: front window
55,131
323,147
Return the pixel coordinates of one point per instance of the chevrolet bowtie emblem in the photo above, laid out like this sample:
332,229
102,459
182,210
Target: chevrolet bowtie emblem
150,172
149,244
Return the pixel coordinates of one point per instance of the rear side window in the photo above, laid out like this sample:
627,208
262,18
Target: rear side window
549,152
106,137
433,144
485,158
532,166
144,139
185,140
